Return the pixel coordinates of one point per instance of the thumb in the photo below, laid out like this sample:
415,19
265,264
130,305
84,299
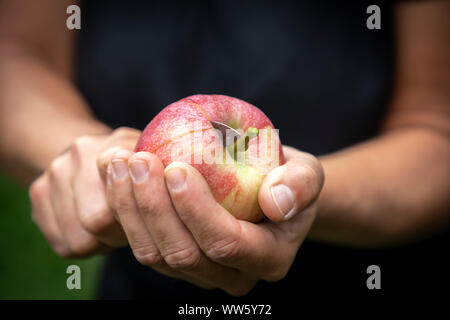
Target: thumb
291,188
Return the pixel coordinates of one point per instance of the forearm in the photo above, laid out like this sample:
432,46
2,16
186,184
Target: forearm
41,113
386,191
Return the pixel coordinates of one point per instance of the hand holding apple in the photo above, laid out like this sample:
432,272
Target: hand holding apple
181,231
175,225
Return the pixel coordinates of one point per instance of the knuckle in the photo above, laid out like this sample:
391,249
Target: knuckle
121,205
82,142
57,243
147,256
309,175
308,157
239,291
37,190
80,146
104,158
102,162
310,168
185,258
63,251
56,166
145,204
124,132
119,200
84,247
148,206
224,250
121,131
96,221
277,274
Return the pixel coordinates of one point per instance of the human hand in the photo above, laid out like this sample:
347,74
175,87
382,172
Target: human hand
175,226
69,201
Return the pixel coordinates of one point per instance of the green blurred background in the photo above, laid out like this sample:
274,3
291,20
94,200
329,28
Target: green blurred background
28,267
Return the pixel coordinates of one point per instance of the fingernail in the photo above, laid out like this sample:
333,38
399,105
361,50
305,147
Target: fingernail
176,178
120,169
139,171
284,200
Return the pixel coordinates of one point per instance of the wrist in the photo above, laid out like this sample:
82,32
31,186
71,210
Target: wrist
42,143
327,202
65,138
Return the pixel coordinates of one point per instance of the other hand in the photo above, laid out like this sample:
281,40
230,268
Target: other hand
69,201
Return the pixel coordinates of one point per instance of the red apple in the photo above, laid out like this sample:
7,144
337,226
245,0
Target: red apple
183,132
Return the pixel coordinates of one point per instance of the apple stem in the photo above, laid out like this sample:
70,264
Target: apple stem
241,144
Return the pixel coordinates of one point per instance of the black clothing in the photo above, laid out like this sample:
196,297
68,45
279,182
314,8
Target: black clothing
313,67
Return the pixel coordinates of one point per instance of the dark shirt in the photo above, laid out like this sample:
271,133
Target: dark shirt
313,67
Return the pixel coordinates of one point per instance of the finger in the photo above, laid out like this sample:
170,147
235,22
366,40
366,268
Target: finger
123,202
260,250
292,187
90,202
81,243
173,239
44,217
224,239
289,152
121,197
121,139
104,159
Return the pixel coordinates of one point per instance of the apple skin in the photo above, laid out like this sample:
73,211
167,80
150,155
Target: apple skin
184,124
